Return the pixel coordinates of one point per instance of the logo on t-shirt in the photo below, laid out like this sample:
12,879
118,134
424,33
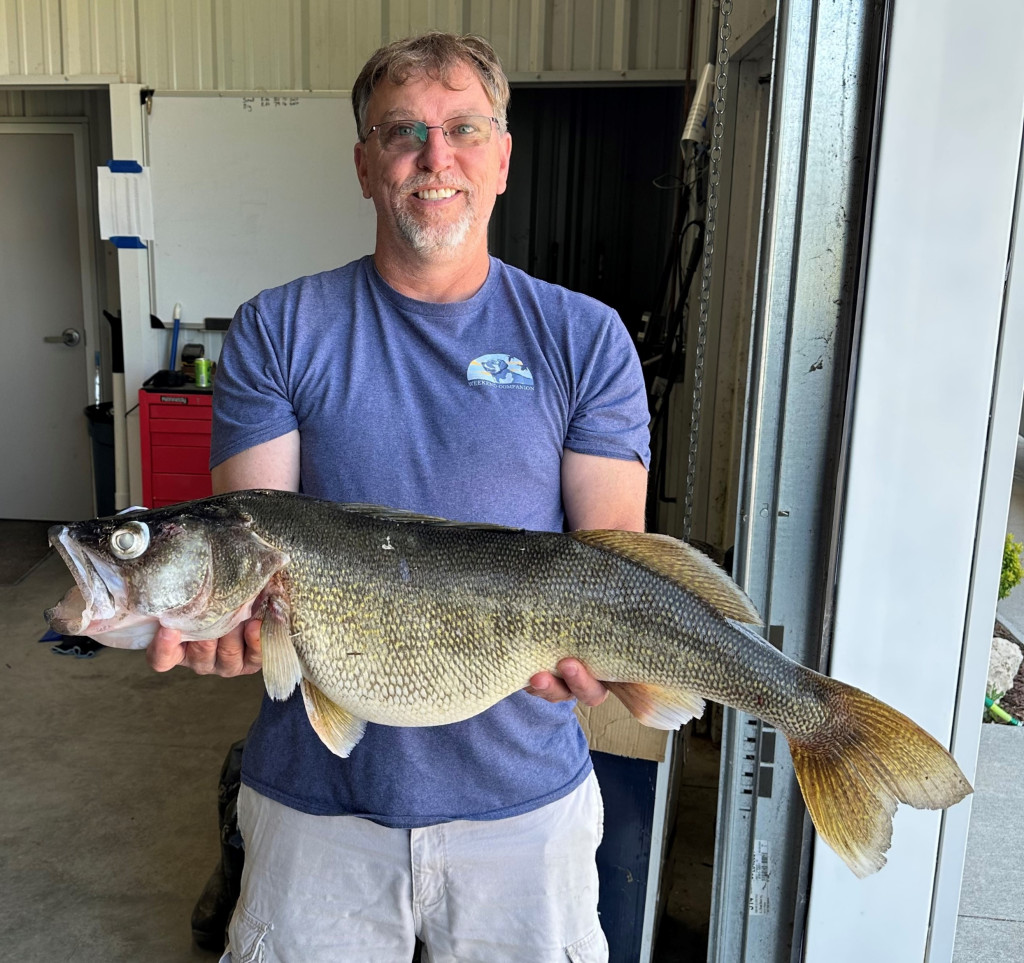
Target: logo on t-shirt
500,371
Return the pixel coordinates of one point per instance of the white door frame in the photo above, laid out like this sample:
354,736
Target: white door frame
78,127
934,420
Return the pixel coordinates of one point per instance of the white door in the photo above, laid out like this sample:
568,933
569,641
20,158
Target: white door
45,284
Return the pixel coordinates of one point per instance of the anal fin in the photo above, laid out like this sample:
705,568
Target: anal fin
656,706
337,728
282,671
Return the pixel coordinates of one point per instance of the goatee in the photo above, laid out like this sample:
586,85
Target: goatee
427,238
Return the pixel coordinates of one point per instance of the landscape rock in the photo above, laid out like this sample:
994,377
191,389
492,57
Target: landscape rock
1003,664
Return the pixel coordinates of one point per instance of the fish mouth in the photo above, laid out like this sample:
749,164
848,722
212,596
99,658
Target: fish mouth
90,599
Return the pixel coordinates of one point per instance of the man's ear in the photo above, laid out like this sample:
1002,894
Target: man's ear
505,147
359,155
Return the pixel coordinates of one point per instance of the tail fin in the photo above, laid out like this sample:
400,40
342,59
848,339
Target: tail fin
874,758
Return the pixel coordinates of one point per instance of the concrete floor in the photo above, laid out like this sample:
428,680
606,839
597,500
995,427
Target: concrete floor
108,798
990,923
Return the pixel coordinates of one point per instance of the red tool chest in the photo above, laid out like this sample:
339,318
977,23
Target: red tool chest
174,426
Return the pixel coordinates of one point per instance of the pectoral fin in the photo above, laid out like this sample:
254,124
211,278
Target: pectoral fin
657,707
282,671
337,728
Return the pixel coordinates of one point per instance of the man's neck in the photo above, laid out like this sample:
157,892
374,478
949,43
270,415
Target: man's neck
434,278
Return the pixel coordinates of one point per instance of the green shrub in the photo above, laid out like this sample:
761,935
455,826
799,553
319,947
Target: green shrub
1013,570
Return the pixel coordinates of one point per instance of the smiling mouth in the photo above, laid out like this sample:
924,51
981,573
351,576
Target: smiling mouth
436,194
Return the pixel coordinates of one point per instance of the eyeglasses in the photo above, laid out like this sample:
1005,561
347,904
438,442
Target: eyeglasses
410,135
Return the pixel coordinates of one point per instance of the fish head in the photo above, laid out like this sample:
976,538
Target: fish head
197,567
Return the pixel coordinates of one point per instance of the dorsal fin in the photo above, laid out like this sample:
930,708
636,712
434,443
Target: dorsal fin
681,563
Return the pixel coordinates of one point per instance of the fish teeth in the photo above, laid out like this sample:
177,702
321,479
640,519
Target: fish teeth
437,194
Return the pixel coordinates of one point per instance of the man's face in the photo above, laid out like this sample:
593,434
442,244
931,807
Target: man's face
438,197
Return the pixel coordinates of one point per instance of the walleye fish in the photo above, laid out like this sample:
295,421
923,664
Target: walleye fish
394,618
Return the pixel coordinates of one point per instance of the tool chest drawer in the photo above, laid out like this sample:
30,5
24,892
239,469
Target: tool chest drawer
174,429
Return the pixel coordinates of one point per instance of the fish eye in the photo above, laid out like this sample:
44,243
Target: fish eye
130,540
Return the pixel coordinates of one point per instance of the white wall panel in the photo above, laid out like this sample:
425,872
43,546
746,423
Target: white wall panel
341,37
174,44
223,44
280,45
66,39
30,38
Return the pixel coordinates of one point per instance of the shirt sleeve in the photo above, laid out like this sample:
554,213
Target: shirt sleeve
251,402
611,417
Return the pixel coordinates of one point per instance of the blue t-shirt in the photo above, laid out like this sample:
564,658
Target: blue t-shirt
460,410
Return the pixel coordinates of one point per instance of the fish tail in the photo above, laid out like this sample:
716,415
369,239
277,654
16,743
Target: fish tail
867,760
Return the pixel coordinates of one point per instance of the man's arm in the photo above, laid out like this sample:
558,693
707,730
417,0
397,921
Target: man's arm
597,493
273,464
603,492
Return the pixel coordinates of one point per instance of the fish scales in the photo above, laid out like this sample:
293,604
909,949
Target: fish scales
503,605
383,616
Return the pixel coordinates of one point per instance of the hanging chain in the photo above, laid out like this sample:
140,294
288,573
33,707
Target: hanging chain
714,176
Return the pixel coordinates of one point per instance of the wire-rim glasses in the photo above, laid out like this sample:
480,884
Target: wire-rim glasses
401,136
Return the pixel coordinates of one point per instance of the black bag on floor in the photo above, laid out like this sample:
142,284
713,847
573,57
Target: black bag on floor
216,903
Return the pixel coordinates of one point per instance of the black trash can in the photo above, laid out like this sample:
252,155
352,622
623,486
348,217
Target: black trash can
101,430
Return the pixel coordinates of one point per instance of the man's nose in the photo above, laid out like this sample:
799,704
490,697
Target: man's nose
436,153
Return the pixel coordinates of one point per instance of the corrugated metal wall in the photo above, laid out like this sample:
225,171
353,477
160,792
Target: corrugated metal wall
68,39
320,44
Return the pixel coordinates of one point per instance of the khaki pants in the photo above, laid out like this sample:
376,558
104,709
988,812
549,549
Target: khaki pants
340,889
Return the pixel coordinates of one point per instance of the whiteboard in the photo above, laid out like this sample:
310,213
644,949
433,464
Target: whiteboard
249,192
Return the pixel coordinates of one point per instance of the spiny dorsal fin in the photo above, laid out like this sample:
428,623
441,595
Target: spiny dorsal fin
681,563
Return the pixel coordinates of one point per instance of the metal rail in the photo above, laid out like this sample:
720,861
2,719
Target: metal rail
804,317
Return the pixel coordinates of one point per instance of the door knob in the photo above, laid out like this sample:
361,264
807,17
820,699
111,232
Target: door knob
68,336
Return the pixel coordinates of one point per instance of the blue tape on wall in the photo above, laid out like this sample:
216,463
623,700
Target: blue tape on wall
121,241
124,167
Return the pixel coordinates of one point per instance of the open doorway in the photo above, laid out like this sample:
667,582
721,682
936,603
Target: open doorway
592,190
601,200
55,361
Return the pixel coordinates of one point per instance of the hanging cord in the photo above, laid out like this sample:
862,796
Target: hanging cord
672,361
668,346
654,340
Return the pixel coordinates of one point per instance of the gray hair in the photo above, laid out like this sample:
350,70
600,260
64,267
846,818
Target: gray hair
438,55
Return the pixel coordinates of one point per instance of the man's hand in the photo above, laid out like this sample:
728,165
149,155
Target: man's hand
237,653
575,683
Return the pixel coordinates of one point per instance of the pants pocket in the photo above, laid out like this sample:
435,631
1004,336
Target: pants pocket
593,948
245,938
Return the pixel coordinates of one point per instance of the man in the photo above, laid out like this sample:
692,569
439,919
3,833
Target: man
433,378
